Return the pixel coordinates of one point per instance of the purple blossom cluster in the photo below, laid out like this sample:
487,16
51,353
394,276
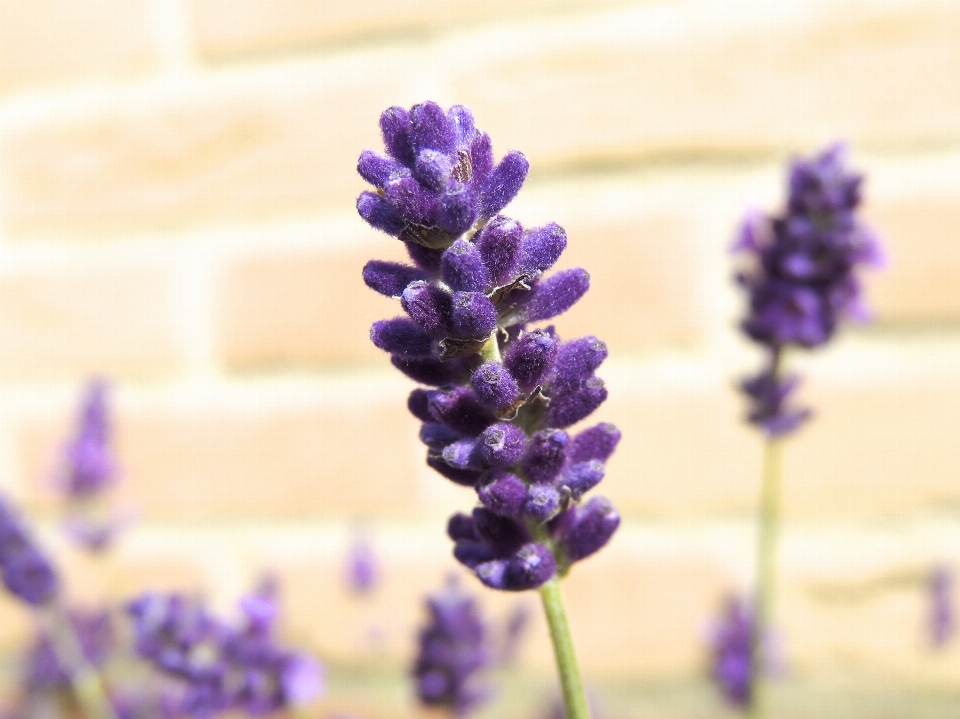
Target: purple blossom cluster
730,648
454,649
26,571
501,395
801,277
221,667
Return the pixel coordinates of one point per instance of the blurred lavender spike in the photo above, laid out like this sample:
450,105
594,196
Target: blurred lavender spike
942,616
362,570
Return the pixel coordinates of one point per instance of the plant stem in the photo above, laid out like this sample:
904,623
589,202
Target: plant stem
769,521
574,698
87,687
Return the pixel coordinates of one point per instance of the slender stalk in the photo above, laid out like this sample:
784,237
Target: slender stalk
574,698
768,530
84,679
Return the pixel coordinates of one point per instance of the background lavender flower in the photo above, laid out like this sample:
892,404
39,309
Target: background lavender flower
941,614
453,652
730,645
361,569
502,395
44,671
26,571
800,276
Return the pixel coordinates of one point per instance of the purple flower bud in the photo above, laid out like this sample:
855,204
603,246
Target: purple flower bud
769,406
546,454
379,214
504,183
428,306
401,337
462,267
460,409
530,358
543,502
432,129
457,210
30,576
463,123
461,526
377,169
504,493
595,443
427,370
580,478
419,404
567,409
426,258
499,246
472,315
494,385
502,444
463,477
731,648
462,454
395,128
433,169
553,296
503,534
530,567
411,201
542,247
581,531
576,362
481,158
390,278
437,436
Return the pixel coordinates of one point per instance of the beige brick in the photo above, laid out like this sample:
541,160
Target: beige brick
694,79
230,29
54,41
221,148
74,321
304,307
921,283
323,458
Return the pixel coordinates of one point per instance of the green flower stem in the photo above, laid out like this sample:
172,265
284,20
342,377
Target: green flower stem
768,530
574,699
84,679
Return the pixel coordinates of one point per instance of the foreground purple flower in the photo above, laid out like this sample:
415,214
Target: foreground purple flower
501,394
26,571
453,651
801,278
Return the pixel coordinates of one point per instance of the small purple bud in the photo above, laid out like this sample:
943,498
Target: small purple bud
494,385
428,306
542,247
545,455
462,267
462,454
433,169
504,535
532,566
576,362
437,436
29,575
595,443
580,478
503,493
462,120
481,157
419,404
377,169
401,337
459,409
457,209
530,358
555,295
464,477
499,246
502,444
395,128
390,278
379,214
432,129
461,526
411,201
427,370
543,502
472,315
585,530
567,409
504,183
426,258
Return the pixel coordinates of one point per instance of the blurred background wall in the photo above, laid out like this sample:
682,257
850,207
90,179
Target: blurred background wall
177,187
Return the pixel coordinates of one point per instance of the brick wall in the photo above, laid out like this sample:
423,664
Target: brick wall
176,211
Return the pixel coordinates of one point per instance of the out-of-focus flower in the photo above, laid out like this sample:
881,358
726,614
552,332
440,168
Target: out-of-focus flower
942,617
502,394
453,652
800,276
27,573
44,670
361,569
730,647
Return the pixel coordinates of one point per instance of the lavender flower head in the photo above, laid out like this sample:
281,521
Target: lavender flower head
942,618
26,571
453,651
801,277
730,649
222,667
501,394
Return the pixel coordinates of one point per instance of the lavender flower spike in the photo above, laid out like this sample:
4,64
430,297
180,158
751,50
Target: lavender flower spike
26,572
942,615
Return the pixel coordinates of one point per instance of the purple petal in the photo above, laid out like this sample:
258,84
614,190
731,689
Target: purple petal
504,183
402,337
567,409
390,278
379,214
462,267
494,386
546,454
542,247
